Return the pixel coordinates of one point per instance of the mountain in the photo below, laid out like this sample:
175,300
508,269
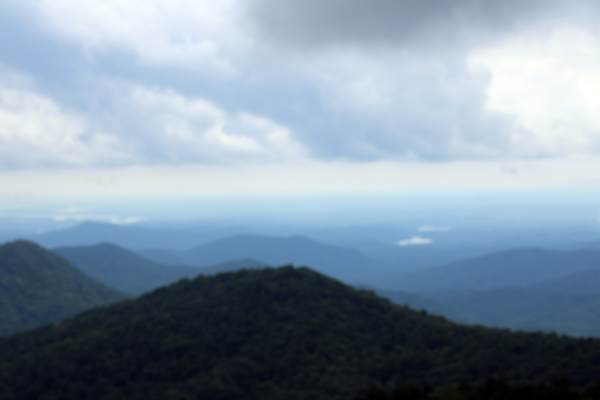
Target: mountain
580,281
90,233
38,287
230,266
339,262
123,269
570,313
271,334
424,301
160,255
517,267
132,273
527,309
525,289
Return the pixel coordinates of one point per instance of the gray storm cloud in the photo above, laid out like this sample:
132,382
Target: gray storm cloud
393,22
404,68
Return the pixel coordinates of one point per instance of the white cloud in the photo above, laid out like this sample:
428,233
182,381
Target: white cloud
138,125
36,131
166,126
549,83
198,35
415,240
112,219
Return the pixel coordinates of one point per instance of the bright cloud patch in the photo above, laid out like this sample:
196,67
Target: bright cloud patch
169,127
190,34
35,131
111,219
415,240
549,83
140,126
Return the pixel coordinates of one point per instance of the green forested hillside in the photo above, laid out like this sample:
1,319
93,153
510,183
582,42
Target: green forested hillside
271,334
38,287
492,389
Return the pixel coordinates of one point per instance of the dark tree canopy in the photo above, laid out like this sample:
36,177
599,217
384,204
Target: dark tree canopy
282,333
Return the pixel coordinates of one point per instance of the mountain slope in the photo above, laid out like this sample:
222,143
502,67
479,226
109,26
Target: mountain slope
518,267
271,334
580,281
162,256
339,262
231,266
527,309
570,313
123,269
132,273
39,287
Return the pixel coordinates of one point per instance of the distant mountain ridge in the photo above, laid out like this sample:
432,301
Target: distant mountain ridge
568,313
38,287
579,281
90,233
528,289
132,273
523,267
271,334
336,261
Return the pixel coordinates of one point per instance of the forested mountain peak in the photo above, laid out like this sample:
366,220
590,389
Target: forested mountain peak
271,334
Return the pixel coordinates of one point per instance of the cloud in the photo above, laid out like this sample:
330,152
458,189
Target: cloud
411,108
313,23
272,81
549,83
36,131
135,125
198,35
462,79
163,126
112,219
415,240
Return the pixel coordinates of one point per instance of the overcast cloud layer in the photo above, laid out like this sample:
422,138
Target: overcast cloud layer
144,82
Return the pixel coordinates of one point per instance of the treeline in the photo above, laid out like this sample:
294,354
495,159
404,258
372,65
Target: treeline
491,389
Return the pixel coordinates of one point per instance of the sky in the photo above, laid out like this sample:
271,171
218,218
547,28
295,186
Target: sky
193,98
